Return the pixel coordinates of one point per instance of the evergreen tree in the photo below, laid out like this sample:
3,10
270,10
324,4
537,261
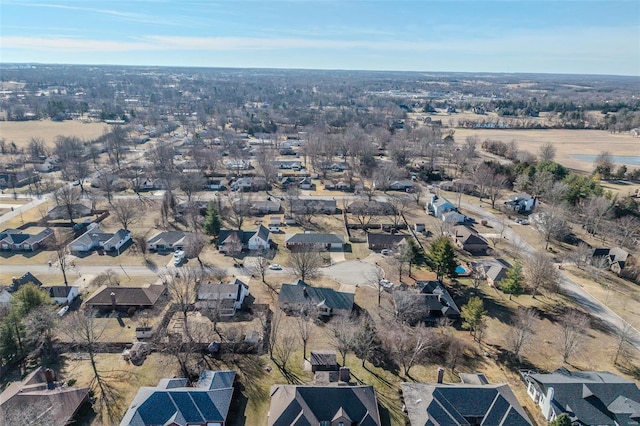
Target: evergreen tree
212,221
512,284
473,315
562,420
442,257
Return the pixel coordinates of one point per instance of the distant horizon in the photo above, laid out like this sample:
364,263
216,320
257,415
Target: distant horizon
35,64
574,37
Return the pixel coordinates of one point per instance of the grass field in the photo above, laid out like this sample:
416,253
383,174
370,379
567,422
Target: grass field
21,131
567,142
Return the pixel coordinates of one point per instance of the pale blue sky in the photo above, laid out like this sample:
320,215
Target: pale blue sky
567,36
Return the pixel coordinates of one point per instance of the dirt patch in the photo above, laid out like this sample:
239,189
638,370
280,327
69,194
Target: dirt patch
21,131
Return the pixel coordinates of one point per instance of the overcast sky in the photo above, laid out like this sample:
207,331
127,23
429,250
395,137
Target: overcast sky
569,36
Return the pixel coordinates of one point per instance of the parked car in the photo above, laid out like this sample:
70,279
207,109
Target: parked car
275,267
386,284
386,252
178,257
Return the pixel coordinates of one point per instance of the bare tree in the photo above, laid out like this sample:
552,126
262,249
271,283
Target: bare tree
68,198
551,222
259,265
495,187
628,231
182,287
482,174
305,262
581,255
58,244
409,308
595,211
271,326
547,152
141,245
128,211
623,339
540,272
341,332
239,209
266,164
573,326
36,148
365,340
194,244
83,330
285,346
304,321
375,280
521,331
455,352
410,345
191,183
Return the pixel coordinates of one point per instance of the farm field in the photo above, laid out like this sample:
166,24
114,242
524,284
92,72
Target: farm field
21,131
567,143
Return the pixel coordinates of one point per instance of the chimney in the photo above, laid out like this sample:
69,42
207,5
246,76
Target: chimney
50,376
440,374
345,374
304,291
113,301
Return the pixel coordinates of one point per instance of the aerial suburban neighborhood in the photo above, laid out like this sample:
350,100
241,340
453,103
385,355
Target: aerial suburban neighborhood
230,246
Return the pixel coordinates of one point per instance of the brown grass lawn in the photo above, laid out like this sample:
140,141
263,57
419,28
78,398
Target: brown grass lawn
31,215
21,131
567,142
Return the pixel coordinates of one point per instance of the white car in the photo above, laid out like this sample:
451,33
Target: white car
386,284
275,267
386,252
178,257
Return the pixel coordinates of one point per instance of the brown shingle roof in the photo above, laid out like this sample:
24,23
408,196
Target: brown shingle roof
145,296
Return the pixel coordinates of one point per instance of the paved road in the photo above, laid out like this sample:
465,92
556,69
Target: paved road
567,285
36,201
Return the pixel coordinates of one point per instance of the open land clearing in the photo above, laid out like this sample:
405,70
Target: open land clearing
567,142
21,131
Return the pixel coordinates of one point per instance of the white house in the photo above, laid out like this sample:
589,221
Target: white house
61,294
452,217
222,299
521,203
96,238
439,206
167,241
250,240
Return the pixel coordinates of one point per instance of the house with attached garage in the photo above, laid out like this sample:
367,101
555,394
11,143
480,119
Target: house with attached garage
262,207
95,238
616,257
220,299
118,298
300,295
178,402
521,203
73,211
315,241
167,241
438,206
229,239
16,239
386,241
494,270
588,397
469,240
332,404
474,401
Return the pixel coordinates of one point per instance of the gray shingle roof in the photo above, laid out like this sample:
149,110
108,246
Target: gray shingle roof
311,405
301,293
208,401
315,238
167,238
462,404
593,397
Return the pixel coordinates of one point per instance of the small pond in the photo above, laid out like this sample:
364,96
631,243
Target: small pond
630,160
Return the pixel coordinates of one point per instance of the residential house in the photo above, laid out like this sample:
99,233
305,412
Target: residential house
95,238
385,241
192,206
453,217
616,257
521,203
15,239
259,239
238,165
48,402
223,300
324,360
123,298
494,270
288,164
307,184
248,184
62,294
167,241
215,184
275,222
372,207
468,239
475,403
262,207
401,185
177,402
314,206
314,241
26,278
17,179
439,206
465,186
300,295
588,397
62,212
323,405
438,301
140,184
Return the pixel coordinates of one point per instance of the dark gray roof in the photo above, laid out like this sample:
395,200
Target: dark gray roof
385,239
324,358
263,233
59,290
145,296
315,238
462,404
243,236
436,298
591,397
16,236
311,405
302,293
170,403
